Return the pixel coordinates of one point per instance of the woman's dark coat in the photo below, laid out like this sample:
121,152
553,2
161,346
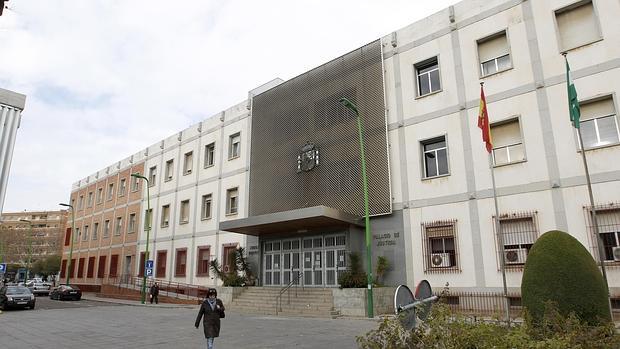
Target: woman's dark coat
210,318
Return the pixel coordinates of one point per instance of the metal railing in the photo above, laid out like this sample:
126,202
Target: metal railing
166,288
287,288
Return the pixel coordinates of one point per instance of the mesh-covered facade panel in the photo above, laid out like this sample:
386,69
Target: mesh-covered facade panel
306,109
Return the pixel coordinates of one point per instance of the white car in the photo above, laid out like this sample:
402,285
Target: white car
39,288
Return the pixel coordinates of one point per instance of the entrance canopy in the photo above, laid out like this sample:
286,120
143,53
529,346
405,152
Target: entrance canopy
301,221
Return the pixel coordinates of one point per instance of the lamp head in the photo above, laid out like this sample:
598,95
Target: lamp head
347,103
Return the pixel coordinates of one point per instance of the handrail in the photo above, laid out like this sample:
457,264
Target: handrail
165,287
298,277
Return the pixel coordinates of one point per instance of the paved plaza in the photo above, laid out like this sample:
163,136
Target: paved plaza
94,324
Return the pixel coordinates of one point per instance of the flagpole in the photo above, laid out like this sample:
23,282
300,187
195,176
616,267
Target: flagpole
498,228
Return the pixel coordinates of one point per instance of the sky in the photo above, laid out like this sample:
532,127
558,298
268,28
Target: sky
105,79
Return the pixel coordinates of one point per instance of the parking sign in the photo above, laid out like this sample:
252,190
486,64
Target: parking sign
2,268
149,272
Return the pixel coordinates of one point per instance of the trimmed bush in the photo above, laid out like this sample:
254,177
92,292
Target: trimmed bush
560,270
354,277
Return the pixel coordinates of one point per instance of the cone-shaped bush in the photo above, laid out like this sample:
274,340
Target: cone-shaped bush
561,270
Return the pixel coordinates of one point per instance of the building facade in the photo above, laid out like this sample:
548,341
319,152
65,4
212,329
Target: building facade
11,107
279,174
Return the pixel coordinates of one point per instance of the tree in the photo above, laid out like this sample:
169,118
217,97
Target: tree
560,270
47,266
239,274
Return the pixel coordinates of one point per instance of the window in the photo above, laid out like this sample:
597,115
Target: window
132,223
135,184
203,261
110,191
81,262
161,264
435,155
209,155
119,226
142,264
106,228
440,246
427,77
184,214
165,216
77,234
96,231
234,146
72,268
207,201
608,220
188,163
99,195
91,268
101,268
90,199
152,175
121,187
81,202
507,144
232,197
113,265
86,232
63,268
228,256
519,231
577,25
494,54
148,218
181,262
599,123
169,170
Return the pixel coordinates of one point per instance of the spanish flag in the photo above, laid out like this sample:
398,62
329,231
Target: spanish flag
483,121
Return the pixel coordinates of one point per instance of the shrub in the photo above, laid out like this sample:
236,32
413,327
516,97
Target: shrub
240,273
560,270
382,266
354,277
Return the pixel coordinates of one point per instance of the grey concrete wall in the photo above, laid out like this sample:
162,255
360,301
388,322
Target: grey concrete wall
352,301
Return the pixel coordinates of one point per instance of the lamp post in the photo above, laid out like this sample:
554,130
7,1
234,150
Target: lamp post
347,103
147,228
29,248
71,237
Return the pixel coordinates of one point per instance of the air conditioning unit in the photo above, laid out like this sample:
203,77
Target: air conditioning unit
515,255
616,253
440,260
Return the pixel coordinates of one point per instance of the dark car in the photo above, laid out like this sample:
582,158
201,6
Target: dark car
16,297
64,292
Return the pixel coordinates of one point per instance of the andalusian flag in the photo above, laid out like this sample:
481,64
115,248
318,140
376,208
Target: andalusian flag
573,102
483,121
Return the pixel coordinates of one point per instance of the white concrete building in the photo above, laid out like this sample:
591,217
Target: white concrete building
11,107
251,176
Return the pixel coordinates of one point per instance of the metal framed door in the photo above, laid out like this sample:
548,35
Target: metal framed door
290,267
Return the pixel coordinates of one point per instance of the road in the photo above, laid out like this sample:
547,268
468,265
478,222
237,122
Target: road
95,324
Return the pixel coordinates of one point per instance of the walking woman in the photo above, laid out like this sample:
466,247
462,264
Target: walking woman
211,311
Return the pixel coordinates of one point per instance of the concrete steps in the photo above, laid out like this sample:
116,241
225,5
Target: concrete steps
264,300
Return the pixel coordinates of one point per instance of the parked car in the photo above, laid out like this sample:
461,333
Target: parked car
16,297
64,292
39,288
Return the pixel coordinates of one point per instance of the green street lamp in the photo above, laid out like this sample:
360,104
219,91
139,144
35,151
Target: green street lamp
71,237
29,248
147,228
347,103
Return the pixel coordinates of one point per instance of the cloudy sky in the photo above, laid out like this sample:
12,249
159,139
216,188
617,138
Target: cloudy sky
107,78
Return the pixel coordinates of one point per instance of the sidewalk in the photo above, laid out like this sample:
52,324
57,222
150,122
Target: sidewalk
92,296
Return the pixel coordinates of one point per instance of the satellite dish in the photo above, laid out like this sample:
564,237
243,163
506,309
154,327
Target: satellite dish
411,309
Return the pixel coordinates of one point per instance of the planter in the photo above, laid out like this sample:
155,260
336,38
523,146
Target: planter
353,301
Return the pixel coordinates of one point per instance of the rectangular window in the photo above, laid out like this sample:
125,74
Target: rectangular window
67,236
519,231
90,273
184,214
106,228
181,262
494,54
209,155
161,264
119,226
188,163
81,202
203,261
577,25
135,184
110,191
99,195
435,155
90,199
101,268
234,146
76,235
165,216
81,262
96,231
507,144
440,246
599,123
148,218
86,233
132,223
232,201
113,265
207,201
142,264
169,170
72,268
228,257
121,187
608,220
63,269
152,175
427,76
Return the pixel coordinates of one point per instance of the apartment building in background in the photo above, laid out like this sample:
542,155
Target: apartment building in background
279,173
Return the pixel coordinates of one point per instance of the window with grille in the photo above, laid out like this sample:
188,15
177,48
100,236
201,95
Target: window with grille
494,54
599,123
169,170
234,146
207,201
608,221
435,157
209,155
577,25
232,201
180,262
427,76
184,214
148,219
203,261
439,243
507,143
188,163
152,175
518,232
165,216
